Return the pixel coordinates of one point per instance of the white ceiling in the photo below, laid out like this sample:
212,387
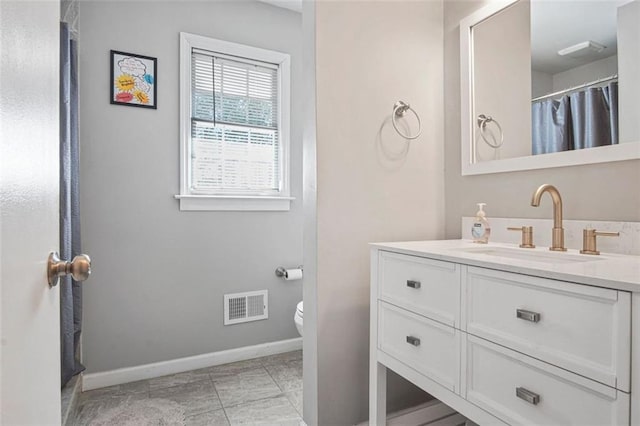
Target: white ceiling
295,5
556,24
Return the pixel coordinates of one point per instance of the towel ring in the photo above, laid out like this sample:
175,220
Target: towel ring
399,109
483,120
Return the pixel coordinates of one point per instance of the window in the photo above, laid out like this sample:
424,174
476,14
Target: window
234,126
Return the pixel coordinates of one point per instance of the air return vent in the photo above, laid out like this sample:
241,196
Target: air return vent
245,307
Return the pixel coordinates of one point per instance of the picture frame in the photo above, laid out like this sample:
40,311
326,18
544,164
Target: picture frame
133,80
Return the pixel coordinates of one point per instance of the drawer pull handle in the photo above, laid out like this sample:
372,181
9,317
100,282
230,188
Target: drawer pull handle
527,315
413,341
527,395
413,284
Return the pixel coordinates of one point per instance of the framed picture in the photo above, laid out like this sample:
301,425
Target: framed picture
133,80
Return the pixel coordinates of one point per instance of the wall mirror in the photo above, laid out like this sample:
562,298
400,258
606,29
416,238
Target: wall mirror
549,84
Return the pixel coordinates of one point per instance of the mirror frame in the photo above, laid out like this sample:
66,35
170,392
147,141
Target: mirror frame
604,154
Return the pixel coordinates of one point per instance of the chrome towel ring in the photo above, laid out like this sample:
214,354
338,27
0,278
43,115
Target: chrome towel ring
483,120
399,109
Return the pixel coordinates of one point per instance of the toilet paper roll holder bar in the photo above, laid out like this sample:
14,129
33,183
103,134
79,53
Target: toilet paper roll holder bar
282,272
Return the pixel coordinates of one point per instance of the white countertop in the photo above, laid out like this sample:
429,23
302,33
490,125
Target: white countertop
620,272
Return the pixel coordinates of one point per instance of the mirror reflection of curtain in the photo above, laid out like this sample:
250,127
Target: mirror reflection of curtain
594,115
584,119
551,126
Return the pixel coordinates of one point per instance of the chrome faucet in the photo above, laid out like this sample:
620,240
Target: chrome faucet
557,243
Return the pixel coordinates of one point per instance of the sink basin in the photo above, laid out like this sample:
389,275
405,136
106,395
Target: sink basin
530,255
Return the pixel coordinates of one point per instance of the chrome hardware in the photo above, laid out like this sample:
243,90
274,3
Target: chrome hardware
482,121
527,315
282,272
413,341
79,268
399,110
413,284
527,395
527,235
589,240
574,88
557,235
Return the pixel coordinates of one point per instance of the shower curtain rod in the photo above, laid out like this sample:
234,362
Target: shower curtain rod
582,86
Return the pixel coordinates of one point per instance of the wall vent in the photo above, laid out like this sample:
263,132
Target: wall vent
245,307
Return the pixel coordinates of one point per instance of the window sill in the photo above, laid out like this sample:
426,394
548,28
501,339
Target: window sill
233,203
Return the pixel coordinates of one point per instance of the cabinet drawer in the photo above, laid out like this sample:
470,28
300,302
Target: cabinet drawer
424,286
427,346
522,390
580,328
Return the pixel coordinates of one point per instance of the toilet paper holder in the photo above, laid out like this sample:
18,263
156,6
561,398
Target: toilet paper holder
282,272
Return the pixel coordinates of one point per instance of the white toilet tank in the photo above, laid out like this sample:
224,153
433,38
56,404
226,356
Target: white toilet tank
297,318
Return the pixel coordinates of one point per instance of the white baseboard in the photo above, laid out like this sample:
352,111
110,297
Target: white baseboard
157,369
430,413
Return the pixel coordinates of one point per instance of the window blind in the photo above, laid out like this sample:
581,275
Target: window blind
235,145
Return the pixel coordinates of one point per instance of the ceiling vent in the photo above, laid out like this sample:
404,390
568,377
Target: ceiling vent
582,49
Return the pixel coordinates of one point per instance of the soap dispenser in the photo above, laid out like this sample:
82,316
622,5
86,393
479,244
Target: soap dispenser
480,230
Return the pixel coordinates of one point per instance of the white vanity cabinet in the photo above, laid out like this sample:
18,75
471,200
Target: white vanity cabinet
580,328
499,346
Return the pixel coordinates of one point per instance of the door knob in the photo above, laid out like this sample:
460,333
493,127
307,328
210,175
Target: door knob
79,268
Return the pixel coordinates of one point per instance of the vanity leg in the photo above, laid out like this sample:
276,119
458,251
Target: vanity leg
377,394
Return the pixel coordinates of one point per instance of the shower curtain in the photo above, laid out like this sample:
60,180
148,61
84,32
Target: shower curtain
583,119
551,125
594,114
70,290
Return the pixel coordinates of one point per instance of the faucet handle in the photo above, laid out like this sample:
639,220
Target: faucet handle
589,240
527,235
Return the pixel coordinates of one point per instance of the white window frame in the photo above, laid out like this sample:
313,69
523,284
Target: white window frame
213,202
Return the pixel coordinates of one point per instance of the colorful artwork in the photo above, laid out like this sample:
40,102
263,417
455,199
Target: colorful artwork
133,80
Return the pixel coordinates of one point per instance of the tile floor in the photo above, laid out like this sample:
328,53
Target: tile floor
259,391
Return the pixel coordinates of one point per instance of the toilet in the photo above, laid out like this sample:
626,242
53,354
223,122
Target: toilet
297,318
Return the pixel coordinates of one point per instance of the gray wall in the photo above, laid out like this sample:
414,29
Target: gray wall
584,73
372,185
159,274
607,191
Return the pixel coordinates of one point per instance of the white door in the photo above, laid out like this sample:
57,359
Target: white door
29,138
